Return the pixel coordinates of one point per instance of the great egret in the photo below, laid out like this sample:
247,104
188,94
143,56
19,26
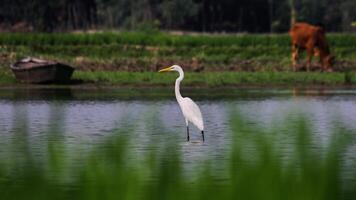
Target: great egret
189,109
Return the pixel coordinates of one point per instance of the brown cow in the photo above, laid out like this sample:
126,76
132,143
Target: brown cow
312,39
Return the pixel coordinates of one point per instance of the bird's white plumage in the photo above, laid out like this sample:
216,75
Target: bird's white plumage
191,112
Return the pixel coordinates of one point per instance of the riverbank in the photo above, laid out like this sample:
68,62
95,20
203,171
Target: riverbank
217,79
124,59
141,52
204,79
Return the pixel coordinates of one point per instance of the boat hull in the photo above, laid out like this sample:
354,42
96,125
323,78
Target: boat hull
52,73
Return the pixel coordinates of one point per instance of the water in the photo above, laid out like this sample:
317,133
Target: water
82,119
85,117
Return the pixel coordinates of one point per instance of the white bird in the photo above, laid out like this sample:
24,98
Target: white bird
190,110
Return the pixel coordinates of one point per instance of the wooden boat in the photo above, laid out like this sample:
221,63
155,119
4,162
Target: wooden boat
34,70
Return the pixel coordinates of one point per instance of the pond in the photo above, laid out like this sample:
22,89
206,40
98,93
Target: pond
78,121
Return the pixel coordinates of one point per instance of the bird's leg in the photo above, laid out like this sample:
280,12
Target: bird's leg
187,124
202,134
188,133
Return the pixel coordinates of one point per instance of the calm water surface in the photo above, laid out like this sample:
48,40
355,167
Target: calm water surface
83,118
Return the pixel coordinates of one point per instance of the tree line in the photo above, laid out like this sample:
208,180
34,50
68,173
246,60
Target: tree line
189,15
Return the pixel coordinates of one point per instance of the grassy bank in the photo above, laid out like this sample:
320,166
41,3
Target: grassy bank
223,60
205,79
132,51
216,79
161,39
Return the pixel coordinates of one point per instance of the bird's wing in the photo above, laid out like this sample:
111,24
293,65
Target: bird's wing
192,112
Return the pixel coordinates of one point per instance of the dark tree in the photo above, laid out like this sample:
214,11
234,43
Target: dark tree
190,15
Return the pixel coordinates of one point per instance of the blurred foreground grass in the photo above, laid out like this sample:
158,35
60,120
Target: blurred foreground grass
257,167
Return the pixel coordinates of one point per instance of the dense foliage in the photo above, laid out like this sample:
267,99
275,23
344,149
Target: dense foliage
197,15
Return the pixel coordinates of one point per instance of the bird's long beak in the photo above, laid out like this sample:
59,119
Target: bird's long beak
165,69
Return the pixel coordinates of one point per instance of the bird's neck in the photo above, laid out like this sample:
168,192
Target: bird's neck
177,88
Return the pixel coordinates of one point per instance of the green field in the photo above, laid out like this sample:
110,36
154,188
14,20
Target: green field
143,52
220,79
205,79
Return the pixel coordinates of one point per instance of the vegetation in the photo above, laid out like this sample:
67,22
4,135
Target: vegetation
207,79
162,39
260,165
138,51
224,60
197,15
213,79
6,78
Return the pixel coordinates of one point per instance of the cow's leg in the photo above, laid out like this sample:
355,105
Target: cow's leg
316,52
310,47
309,56
310,53
295,55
